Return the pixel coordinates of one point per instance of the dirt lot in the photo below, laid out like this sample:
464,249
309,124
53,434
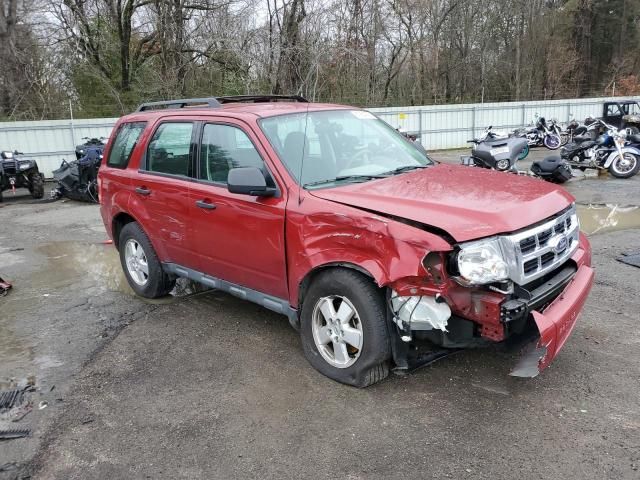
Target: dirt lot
207,386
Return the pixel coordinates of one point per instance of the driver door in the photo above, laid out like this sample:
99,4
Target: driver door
238,238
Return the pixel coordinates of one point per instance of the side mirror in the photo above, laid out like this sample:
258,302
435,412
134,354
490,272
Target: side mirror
248,181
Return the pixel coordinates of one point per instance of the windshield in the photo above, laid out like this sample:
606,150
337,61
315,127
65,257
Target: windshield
323,149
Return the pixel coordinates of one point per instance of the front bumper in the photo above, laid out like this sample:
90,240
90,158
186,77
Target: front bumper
555,323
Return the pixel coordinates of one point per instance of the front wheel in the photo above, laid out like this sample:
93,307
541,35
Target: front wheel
624,167
344,328
37,185
552,141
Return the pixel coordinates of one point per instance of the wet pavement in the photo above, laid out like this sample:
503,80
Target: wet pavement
203,385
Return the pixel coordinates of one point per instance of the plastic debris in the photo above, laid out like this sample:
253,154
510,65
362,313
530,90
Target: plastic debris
11,433
4,287
630,258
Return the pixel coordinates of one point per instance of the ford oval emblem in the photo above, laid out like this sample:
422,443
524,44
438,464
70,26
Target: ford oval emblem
559,243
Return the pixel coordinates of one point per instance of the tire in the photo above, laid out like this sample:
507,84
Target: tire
1,194
362,366
552,142
525,152
156,283
37,185
564,139
625,167
503,165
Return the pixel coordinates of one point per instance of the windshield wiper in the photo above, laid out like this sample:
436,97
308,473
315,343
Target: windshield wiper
345,178
406,168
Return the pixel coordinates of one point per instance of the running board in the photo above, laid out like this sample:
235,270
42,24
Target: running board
275,304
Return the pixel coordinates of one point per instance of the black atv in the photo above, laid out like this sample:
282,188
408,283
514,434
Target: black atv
81,150
19,172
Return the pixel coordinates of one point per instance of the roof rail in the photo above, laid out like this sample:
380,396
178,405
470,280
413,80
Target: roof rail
211,102
261,98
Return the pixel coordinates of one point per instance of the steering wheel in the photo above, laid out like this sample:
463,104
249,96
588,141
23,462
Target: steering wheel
360,157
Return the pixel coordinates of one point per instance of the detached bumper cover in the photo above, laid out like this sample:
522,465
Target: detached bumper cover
556,323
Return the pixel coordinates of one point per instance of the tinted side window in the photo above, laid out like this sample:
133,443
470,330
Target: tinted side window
225,147
169,149
126,139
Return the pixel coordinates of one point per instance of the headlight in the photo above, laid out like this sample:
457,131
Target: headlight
81,151
482,262
25,166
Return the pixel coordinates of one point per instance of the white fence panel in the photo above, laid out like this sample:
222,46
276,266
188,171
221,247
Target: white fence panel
438,126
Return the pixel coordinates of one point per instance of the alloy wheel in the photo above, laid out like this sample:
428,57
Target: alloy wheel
337,331
136,261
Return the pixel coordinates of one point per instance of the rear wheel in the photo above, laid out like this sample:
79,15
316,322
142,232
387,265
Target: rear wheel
37,185
141,264
624,167
343,328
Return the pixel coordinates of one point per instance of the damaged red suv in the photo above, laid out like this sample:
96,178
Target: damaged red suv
378,255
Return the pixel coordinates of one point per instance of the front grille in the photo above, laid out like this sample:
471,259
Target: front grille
10,167
536,251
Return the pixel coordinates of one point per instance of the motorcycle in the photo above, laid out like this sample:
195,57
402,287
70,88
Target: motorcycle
539,134
78,179
490,134
89,143
614,150
502,154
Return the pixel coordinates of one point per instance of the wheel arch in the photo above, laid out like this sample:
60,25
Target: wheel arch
304,284
118,223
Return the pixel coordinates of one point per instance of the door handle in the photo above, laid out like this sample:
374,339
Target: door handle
143,191
206,205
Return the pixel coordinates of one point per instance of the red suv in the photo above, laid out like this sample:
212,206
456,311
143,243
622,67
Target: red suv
378,255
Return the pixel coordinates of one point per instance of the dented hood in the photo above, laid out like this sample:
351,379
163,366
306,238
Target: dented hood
468,203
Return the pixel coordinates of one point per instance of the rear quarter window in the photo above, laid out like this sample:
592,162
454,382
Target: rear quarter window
126,139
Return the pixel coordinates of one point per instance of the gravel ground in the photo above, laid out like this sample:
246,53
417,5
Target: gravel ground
207,386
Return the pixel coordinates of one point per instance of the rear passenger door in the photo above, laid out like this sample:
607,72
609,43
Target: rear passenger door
161,189
238,238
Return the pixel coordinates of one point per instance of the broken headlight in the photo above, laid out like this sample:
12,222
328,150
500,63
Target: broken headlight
482,262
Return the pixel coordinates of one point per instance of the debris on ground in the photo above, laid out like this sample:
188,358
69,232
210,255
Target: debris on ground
11,433
630,258
7,467
15,404
11,398
4,287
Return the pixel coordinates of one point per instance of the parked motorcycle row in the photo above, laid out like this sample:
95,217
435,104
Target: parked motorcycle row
595,144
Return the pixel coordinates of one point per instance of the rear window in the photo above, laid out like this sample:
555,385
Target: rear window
124,143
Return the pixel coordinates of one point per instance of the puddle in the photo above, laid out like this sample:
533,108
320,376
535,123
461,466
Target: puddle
70,262
599,218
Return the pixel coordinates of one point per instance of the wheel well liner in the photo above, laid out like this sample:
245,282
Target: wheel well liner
118,223
306,281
